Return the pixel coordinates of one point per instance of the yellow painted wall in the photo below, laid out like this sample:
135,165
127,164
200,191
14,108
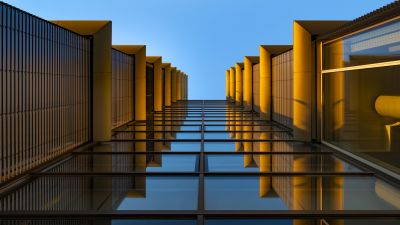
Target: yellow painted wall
239,84
228,84
265,84
173,84
247,84
302,83
232,84
178,85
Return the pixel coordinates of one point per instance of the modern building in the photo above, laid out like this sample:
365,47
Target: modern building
96,133
335,85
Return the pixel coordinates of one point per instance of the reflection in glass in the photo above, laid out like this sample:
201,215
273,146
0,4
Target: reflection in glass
185,146
299,193
355,221
219,146
215,128
80,193
380,44
219,135
277,163
154,222
351,120
188,135
107,163
163,193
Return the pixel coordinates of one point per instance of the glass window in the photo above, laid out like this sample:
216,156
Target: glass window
355,221
352,118
185,146
120,163
380,44
220,146
218,135
299,193
188,135
81,193
259,162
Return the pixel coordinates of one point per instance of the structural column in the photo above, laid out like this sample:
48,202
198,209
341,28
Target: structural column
185,93
265,84
239,83
100,31
266,54
302,82
232,80
167,84
179,86
173,84
248,83
228,84
304,77
158,95
184,87
187,87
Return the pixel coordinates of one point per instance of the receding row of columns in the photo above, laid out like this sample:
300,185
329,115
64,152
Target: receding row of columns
170,84
307,104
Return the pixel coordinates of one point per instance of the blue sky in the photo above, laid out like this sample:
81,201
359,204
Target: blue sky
201,37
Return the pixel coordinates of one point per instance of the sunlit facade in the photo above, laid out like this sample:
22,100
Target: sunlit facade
95,133
337,84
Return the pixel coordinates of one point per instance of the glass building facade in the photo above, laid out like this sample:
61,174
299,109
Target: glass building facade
203,163
45,87
361,92
93,133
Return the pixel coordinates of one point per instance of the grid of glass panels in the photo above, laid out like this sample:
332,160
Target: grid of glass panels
242,171
45,82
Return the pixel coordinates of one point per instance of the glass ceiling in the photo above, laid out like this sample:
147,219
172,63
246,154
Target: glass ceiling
202,162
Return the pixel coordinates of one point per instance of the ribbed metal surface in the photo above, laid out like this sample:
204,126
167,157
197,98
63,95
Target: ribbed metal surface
122,88
45,91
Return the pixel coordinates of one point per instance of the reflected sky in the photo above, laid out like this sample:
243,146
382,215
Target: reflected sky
220,135
164,193
176,163
233,193
181,135
299,193
276,163
185,146
153,222
219,146
117,176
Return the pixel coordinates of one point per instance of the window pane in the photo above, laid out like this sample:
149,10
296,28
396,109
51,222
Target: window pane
381,44
276,163
356,221
77,193
107,163
299,193
352,120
